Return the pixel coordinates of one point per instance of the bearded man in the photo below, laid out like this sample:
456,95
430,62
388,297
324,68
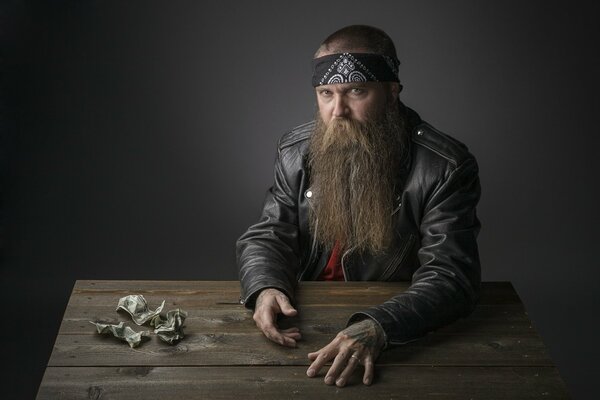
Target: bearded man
368,191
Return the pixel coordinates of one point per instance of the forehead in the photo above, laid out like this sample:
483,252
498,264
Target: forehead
342,87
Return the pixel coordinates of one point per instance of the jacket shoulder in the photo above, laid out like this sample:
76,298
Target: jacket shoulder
432,140
297,135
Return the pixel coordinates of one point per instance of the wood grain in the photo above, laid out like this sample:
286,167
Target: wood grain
392,382
254,349
207,293
485,319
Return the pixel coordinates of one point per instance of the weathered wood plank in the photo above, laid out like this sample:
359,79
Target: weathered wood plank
210,292
501,320
392,382
200,349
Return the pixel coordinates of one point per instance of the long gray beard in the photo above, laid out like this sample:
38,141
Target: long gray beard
354,170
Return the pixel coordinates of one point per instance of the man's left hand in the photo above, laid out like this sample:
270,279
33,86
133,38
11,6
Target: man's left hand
359,343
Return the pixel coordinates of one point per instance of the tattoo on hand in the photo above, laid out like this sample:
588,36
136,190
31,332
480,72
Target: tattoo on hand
365,332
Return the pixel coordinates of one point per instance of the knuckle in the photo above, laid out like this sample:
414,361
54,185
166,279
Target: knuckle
340,337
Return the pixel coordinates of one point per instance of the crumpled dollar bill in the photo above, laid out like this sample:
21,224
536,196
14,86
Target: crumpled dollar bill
122,332
137,307
170,329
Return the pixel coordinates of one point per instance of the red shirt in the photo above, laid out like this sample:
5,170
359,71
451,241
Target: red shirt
333,271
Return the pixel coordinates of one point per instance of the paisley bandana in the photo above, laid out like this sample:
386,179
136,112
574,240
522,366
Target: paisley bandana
354,67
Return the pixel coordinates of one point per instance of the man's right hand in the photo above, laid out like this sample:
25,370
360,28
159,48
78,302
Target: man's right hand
269,303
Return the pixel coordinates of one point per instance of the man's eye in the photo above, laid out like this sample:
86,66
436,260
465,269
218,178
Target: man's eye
325,92
357,91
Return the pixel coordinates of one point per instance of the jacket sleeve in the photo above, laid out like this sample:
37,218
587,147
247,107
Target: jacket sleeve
268,252
446,285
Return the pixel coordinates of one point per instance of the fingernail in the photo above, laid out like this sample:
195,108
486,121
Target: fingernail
310,372
340,382
329,380
367,381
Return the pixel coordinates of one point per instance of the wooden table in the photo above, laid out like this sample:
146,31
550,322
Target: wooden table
494,353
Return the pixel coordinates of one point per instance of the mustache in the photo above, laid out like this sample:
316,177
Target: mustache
343,133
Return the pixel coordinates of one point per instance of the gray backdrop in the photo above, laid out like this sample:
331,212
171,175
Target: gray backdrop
138,140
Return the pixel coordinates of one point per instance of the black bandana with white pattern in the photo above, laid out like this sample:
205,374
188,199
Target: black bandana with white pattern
354,67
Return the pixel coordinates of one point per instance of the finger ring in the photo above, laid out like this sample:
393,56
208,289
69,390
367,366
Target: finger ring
354,356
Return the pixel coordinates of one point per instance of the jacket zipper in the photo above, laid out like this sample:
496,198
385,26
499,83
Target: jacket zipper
397,259
313,246
342,262
311,256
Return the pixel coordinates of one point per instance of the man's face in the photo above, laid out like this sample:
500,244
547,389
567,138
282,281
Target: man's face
356,101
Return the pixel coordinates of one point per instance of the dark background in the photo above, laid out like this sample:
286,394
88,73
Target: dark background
137,142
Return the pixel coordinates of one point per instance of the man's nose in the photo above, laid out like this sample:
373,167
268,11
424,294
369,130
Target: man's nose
340,108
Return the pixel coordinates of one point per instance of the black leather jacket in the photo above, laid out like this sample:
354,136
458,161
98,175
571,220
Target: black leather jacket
434,247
